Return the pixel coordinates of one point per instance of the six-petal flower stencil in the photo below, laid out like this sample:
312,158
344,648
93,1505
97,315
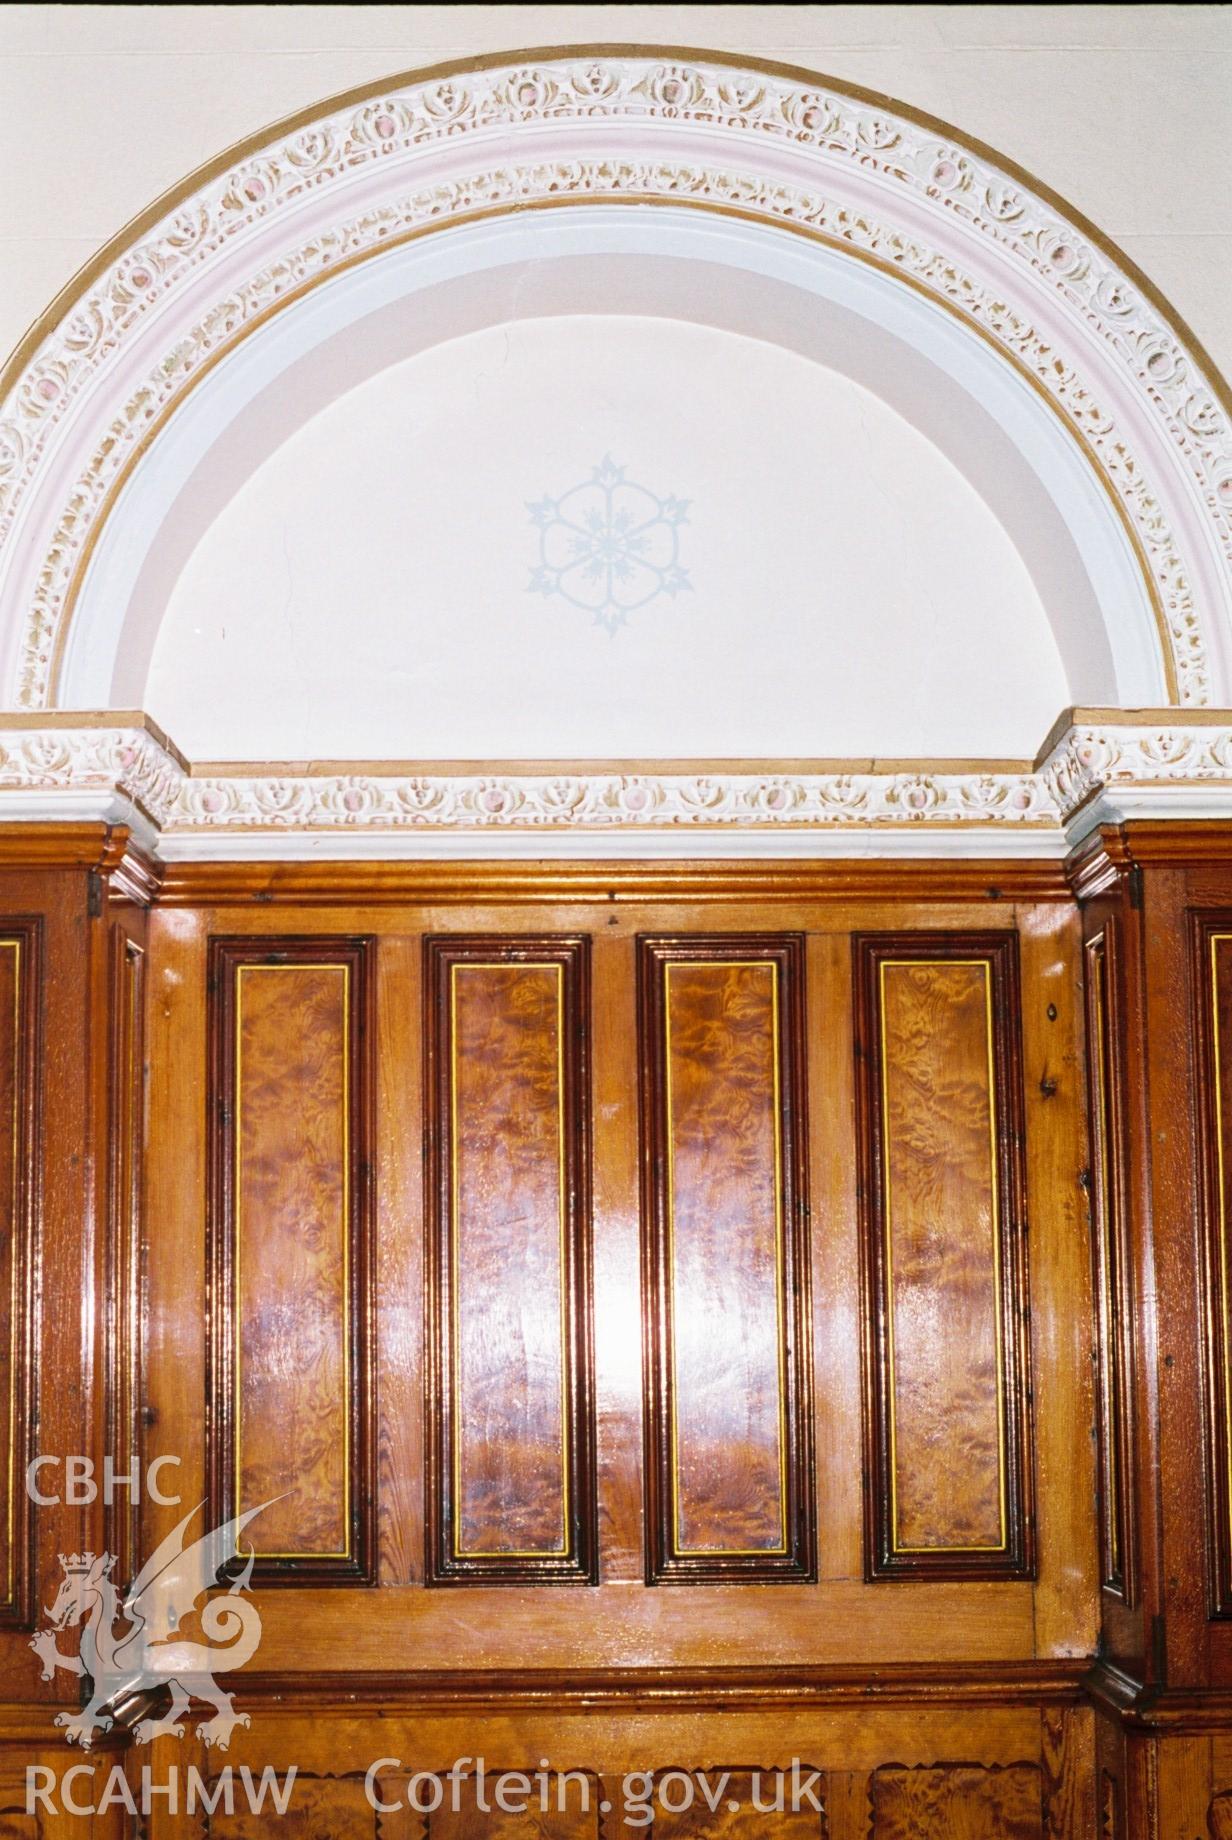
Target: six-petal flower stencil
609,546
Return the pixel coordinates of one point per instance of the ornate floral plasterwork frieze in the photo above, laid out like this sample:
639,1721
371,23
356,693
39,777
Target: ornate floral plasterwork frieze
605,801
1091,758
1094,759
783,150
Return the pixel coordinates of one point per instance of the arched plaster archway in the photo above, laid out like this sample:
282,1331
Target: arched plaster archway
693,269
928,221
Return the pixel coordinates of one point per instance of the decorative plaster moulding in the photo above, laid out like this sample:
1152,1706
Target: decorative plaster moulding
1096,767
175,295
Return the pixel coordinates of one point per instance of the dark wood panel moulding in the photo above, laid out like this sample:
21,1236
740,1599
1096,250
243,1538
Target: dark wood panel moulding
1100,864
1114,854
21,943
132,876
1179,840
440,884
1168,1711
1113,1283
1211,985
25,1725
57,846
1055,1682
526,1054
750,1078
124,1300
1114,850
106,849
1012,1553
354,1563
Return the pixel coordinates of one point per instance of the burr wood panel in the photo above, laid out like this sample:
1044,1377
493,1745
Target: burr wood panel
19,1041
548,1804
1113,1297
729,1482
317,1808
510,1487
1211,936
944,1256
724,1802
957,1801
290,1416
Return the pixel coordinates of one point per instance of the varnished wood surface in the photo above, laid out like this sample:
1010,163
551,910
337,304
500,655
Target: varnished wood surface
291,1232
840,1619
1113,1296
943,1282
290,1247
320,1807
1163,1687
1012,1765
412,1691
962,1801
478,884
722,1129
55,1319
508,1278
968,1678
125,1279
1053,1096
510,1489
20,999
944,1239
729,1414
1211,960
1164,1763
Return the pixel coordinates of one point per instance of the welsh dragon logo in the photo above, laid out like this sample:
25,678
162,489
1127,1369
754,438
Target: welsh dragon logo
148,1655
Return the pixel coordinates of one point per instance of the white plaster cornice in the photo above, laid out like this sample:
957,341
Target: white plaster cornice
783,148
1096,767
1105,767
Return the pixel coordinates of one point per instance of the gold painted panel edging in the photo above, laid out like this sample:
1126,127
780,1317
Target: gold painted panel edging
21,944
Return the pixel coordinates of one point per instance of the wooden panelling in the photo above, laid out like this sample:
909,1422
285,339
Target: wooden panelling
510,1485
124,1320
290,1383
1067,1763
317,1809
437,884
957,1802
729,1471
1211,941
851,1676
15,1823
1113,1296
25,1815
20,942
725,1802
539,1802
1110,1827
939,1110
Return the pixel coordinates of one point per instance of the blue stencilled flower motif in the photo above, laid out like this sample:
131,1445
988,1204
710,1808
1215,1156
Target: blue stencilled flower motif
609,546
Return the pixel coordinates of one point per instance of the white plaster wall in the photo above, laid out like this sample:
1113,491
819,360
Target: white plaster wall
1123,109
366,595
